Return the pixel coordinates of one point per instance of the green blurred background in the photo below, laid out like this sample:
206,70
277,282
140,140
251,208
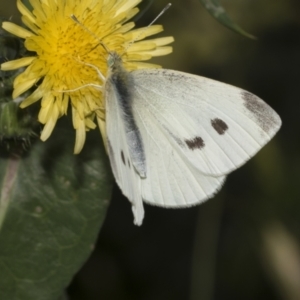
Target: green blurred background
244,243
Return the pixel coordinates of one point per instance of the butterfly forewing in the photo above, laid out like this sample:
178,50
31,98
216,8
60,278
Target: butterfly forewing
214,126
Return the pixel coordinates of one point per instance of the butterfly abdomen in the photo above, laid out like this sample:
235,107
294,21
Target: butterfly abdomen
121,82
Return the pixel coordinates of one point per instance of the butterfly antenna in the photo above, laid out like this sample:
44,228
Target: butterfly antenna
73,17
90,32
155,19
160,14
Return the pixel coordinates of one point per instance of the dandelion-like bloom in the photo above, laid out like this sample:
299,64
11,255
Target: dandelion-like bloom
64,48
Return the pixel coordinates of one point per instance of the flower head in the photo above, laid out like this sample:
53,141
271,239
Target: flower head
64,50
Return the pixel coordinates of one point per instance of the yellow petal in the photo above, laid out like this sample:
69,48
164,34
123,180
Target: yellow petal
17,30
80,137
49,126
141,33
142,46
18,63
89,123
131,14
46,110
125,28
29,24
35,96
25,11
160,51
65,104
80,109
47,100
23,87
102,127
128,5
163,41
139,56
141,65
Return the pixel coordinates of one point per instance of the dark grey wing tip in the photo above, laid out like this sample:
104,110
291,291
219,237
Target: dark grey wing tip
266,117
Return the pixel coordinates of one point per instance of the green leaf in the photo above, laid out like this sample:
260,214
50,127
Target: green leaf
52,206
218,12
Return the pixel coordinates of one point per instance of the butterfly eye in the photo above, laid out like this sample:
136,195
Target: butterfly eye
110,60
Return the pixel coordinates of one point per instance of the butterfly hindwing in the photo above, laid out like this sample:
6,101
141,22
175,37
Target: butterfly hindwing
171,180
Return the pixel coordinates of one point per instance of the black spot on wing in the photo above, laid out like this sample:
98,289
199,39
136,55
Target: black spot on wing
123,157
265,116
129,165
195,143
219,126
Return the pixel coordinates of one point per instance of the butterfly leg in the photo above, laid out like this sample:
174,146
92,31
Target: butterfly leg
101,76
99,87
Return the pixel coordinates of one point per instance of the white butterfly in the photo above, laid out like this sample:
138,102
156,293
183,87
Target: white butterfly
173,137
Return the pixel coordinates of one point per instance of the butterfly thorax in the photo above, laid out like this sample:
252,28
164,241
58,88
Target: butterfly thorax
119,77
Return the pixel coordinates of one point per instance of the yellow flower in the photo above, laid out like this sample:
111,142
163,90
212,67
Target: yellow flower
64,48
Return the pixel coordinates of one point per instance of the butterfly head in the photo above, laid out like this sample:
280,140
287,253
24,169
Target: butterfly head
114,60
